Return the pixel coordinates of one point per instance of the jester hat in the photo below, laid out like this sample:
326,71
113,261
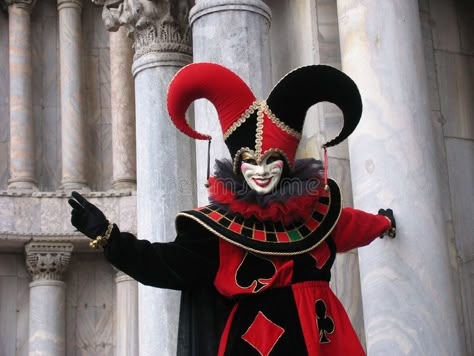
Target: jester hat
263,127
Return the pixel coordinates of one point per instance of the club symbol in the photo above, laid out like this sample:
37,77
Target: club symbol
325,323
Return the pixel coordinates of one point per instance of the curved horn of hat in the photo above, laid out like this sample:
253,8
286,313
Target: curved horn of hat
300,89
222,87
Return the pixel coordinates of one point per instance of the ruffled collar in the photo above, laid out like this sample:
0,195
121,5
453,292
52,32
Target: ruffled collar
293,200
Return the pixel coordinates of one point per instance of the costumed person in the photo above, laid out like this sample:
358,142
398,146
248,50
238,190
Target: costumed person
271,232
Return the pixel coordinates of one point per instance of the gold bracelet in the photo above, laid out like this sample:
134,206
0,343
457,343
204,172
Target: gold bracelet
101,240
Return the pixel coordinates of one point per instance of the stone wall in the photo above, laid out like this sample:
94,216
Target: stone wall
449,52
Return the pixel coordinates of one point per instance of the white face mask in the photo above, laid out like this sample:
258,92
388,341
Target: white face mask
261,177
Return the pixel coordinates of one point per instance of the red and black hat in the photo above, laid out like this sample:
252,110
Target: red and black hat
257,126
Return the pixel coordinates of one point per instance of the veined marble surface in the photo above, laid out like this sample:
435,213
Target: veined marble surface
393,164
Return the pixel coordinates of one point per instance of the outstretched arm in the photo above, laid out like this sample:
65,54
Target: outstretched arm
190,260
356,228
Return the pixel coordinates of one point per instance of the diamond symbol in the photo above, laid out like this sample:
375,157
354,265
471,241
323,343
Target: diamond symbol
263,334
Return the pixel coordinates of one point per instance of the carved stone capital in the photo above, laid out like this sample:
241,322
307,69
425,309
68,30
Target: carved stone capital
63,4
155,26
47,260
26,4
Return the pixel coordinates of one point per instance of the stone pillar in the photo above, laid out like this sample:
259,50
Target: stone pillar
74,147
22,127
123,111
165,174
234,33
46,262
126,324
407,287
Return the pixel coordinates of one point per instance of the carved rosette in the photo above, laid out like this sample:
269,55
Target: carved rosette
47,260
155,26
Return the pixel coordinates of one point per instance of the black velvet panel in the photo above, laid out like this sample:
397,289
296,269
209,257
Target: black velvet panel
304,87
202,319
279,306
243,136
305,266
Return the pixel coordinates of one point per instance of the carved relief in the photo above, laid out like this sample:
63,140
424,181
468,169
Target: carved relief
154,25
47,260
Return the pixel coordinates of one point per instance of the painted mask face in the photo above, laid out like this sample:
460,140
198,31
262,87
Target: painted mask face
261,177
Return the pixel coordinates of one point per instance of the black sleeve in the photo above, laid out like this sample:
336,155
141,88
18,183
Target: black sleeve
189,261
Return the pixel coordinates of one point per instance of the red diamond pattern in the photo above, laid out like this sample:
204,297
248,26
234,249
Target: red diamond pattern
263,334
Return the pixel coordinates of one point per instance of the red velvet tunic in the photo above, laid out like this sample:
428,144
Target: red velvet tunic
292,310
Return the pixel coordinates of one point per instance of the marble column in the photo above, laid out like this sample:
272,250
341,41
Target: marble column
165,172
123,111
234,33
409,297
73,138
22,126
126,324
46,262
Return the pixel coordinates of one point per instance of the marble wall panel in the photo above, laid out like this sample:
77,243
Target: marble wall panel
14,295
48,165
105,162
128,217
4,161
444,22
426,30
99,132
339,170
460,155
22,308
292,35
465,12
94,32
27,214
92,86
90,305
46,94
328,32
456,92
7,214
7,265
8,288
435,104
467,287
50,63
52,215
424,5
4,102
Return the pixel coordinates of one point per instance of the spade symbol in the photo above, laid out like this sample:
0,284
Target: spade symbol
325,323
256,270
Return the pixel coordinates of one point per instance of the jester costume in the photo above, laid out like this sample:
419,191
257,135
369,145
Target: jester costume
269,255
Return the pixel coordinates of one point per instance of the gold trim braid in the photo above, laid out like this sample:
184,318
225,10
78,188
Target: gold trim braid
262,107
284,127
259,133
251,109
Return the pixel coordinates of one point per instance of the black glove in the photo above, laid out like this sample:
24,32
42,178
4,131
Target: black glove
86,217
389,214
